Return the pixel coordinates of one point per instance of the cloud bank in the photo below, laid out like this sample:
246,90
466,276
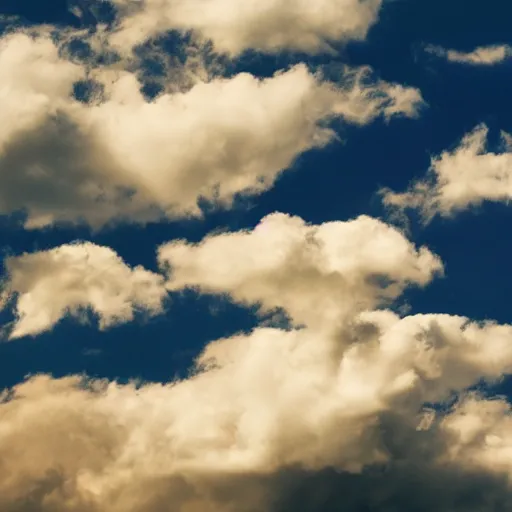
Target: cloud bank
359,405
269,413
461,178
351,407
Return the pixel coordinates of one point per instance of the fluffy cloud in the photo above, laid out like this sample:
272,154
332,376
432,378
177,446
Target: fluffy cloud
267,25
34,83
48,285
481,56
337,405
260,413
124,157
352,407
316,273
483,433
461,178
232,136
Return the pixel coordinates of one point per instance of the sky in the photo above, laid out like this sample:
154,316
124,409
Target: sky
255,256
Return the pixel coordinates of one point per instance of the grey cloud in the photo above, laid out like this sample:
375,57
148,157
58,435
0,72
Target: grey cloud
57,172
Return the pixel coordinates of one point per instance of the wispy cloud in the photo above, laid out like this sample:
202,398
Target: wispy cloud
460,178
481,56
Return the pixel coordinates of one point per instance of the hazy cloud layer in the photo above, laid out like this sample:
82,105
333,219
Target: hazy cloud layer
70,279
268,25
460,178
481,56
122,156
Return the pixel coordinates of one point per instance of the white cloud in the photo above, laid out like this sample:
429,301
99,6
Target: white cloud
261,411
231,136
268,25
48,285
124,157
482,430
319,275
481,56
225,438
458,179
316,273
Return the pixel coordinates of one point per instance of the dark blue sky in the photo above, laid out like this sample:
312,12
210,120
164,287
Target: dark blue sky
333,184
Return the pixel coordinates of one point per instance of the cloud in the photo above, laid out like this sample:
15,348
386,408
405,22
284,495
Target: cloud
232,136
483,433
269,25
48,285
359,403
481,56
352,407
317,273
35,83
123,157
265,414
458,179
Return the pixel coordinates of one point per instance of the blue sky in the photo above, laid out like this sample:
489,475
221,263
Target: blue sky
335,182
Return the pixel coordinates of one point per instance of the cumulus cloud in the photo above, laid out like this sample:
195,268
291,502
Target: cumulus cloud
67,280
458,179
317,273
481,56
34,82
268,25
352,407
122,156
260,413
348,403
483,433
235,135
